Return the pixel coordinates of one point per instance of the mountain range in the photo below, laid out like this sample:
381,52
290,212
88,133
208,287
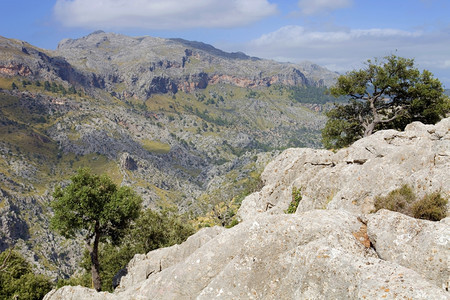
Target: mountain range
188,126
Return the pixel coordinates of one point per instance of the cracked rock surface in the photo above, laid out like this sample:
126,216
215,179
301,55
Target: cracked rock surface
331,248
352,177
310,255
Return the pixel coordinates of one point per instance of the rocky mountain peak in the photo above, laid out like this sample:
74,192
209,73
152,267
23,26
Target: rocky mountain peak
175,64
143,66
212,50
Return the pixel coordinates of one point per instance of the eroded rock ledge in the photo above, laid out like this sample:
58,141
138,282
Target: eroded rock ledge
331,248
312,255
352,177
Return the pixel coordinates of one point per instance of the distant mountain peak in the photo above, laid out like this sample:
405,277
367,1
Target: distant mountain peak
97,32
213,50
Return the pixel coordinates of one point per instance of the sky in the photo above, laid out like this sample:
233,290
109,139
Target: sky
340,35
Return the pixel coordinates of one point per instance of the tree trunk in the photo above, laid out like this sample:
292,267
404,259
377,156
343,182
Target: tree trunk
369,129
95,265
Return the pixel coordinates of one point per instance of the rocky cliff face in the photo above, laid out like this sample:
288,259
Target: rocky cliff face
147,65
139,67
331,248
187,125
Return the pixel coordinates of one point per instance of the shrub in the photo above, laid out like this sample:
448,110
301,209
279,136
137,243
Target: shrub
398,200
17,280
431,207
233,223
83,279
296,198
403,200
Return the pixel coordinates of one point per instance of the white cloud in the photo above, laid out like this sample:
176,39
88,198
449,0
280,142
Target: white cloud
160,14
344,50
446,64
314,7
296,36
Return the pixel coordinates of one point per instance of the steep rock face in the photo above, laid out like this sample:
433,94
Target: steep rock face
142,66
352,177
313,255
148,65
12,227
19,58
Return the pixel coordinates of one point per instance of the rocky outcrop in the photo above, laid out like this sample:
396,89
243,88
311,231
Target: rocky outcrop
312,255
148,65
331,248
127,162
15,70
19,58
12,227
351,178
143,266
418,245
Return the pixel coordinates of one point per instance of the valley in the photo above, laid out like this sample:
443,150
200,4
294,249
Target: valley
188,126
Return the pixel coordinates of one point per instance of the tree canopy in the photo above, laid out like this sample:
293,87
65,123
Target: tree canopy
152,230
95,206
386,93
17,280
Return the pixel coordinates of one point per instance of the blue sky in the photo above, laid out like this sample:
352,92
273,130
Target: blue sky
338,34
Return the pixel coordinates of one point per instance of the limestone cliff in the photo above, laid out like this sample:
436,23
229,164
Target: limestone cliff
332,248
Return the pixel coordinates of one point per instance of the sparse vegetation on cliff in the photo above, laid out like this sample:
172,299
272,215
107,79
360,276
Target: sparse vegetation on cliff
296,198
431,207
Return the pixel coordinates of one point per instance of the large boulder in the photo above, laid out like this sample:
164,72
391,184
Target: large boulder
319,254
143,265
77,293
419,245
352,177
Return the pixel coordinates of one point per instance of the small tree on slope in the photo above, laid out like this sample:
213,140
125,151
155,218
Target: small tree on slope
96,207
387,93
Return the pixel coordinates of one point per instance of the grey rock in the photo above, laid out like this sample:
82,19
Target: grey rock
419,245
319,254
127,162
148,65
77,293
12,227
144,265
352,177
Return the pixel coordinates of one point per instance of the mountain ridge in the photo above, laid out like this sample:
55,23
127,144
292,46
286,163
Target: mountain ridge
191,139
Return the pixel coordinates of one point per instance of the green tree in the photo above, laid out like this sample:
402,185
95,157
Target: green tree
47,85
72,90
17,280
95,206
387,93
152,230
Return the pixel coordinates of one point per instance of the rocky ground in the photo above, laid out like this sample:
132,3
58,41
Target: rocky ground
332,247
